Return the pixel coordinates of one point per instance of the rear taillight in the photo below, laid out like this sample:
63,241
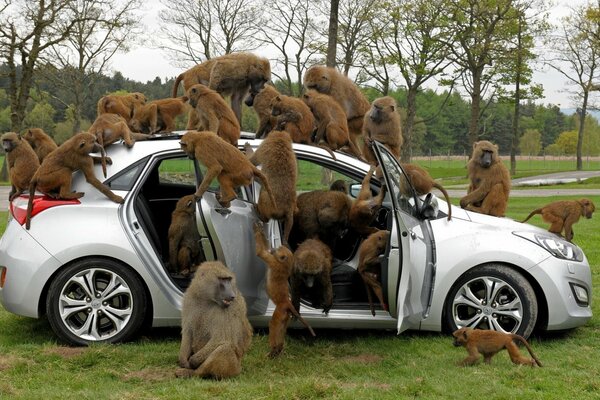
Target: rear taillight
18,207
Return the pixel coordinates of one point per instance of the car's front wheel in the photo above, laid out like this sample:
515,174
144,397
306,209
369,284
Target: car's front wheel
493,297
96,300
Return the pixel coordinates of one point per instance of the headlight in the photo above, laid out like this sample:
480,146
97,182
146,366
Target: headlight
558,247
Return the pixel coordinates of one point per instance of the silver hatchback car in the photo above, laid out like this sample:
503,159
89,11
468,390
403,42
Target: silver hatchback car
98,270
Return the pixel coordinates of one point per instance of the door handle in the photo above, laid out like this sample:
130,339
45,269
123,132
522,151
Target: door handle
223,211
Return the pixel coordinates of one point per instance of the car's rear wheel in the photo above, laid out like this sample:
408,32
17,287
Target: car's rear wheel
493,297
96,300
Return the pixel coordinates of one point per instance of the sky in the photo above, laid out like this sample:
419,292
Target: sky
144,63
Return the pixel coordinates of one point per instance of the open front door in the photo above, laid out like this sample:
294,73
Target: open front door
411,264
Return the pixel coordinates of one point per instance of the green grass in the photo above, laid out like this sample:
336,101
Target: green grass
337,364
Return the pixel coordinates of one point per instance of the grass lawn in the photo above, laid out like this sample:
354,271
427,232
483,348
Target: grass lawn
336,364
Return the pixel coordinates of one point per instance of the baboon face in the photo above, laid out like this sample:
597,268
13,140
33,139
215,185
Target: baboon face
86,144
250,98
187,145
460,337
485,153
276,106
10,140
194,93
588,208
186,204
221,284
258,75
318,78
29,135
282,254
139,97
382,109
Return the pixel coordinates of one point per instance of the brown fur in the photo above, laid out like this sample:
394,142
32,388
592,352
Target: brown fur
261,102
278,161
108,128
354,103
369,266
215,331
53,177
488,343
185,251
339,185
561,215
365,207
40,141
424,183
280,262
213,113
224,162
382,123
332,126
22,163
230,75
293,116
312,273
490,181
158,115
122,105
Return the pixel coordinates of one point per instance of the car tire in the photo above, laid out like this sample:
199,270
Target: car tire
492,296
96,300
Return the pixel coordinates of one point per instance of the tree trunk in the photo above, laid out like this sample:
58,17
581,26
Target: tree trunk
408,128
580,132
332,34
515,124
475,109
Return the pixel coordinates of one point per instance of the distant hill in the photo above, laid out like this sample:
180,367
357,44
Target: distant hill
571,111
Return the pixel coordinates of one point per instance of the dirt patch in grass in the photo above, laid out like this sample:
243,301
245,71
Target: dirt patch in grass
363,359
150,374
65,352
8,361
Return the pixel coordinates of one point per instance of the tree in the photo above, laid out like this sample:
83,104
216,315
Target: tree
575,56
530,142
195,31
567,142
332,33
354,30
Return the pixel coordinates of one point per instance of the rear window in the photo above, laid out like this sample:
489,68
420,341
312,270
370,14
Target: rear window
125,179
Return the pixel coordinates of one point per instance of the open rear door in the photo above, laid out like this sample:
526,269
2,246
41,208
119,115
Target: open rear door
411,263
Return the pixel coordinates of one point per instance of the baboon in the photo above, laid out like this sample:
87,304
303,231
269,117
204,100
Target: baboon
224,162
365,207
330,81
332,126
215,331
382,123
423,183
40,142
293,116
488,343
158,115
278,161
369,265
563,214
230,75
120,104
312,274
490,181
185,251
108,128
280,262
261,101
339,185
213,113
22,163
53,177
322,214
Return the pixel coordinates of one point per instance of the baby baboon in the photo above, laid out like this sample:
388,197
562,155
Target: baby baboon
330,81
280,262
488,343
53,177
563,214
369,265
332,126
322,214
382,123
293,116
158,115
22,163
108,128
490,181
339,185
213,113
424,183
311,276
185,251
215,331
230,75
261,101
224,162
122,105
278,161
365,207
40,142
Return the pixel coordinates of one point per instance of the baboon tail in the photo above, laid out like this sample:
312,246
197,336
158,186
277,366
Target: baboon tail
522,340
537,211
176,85
32,187
441,189
327,149
355,150
265,182
296,314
